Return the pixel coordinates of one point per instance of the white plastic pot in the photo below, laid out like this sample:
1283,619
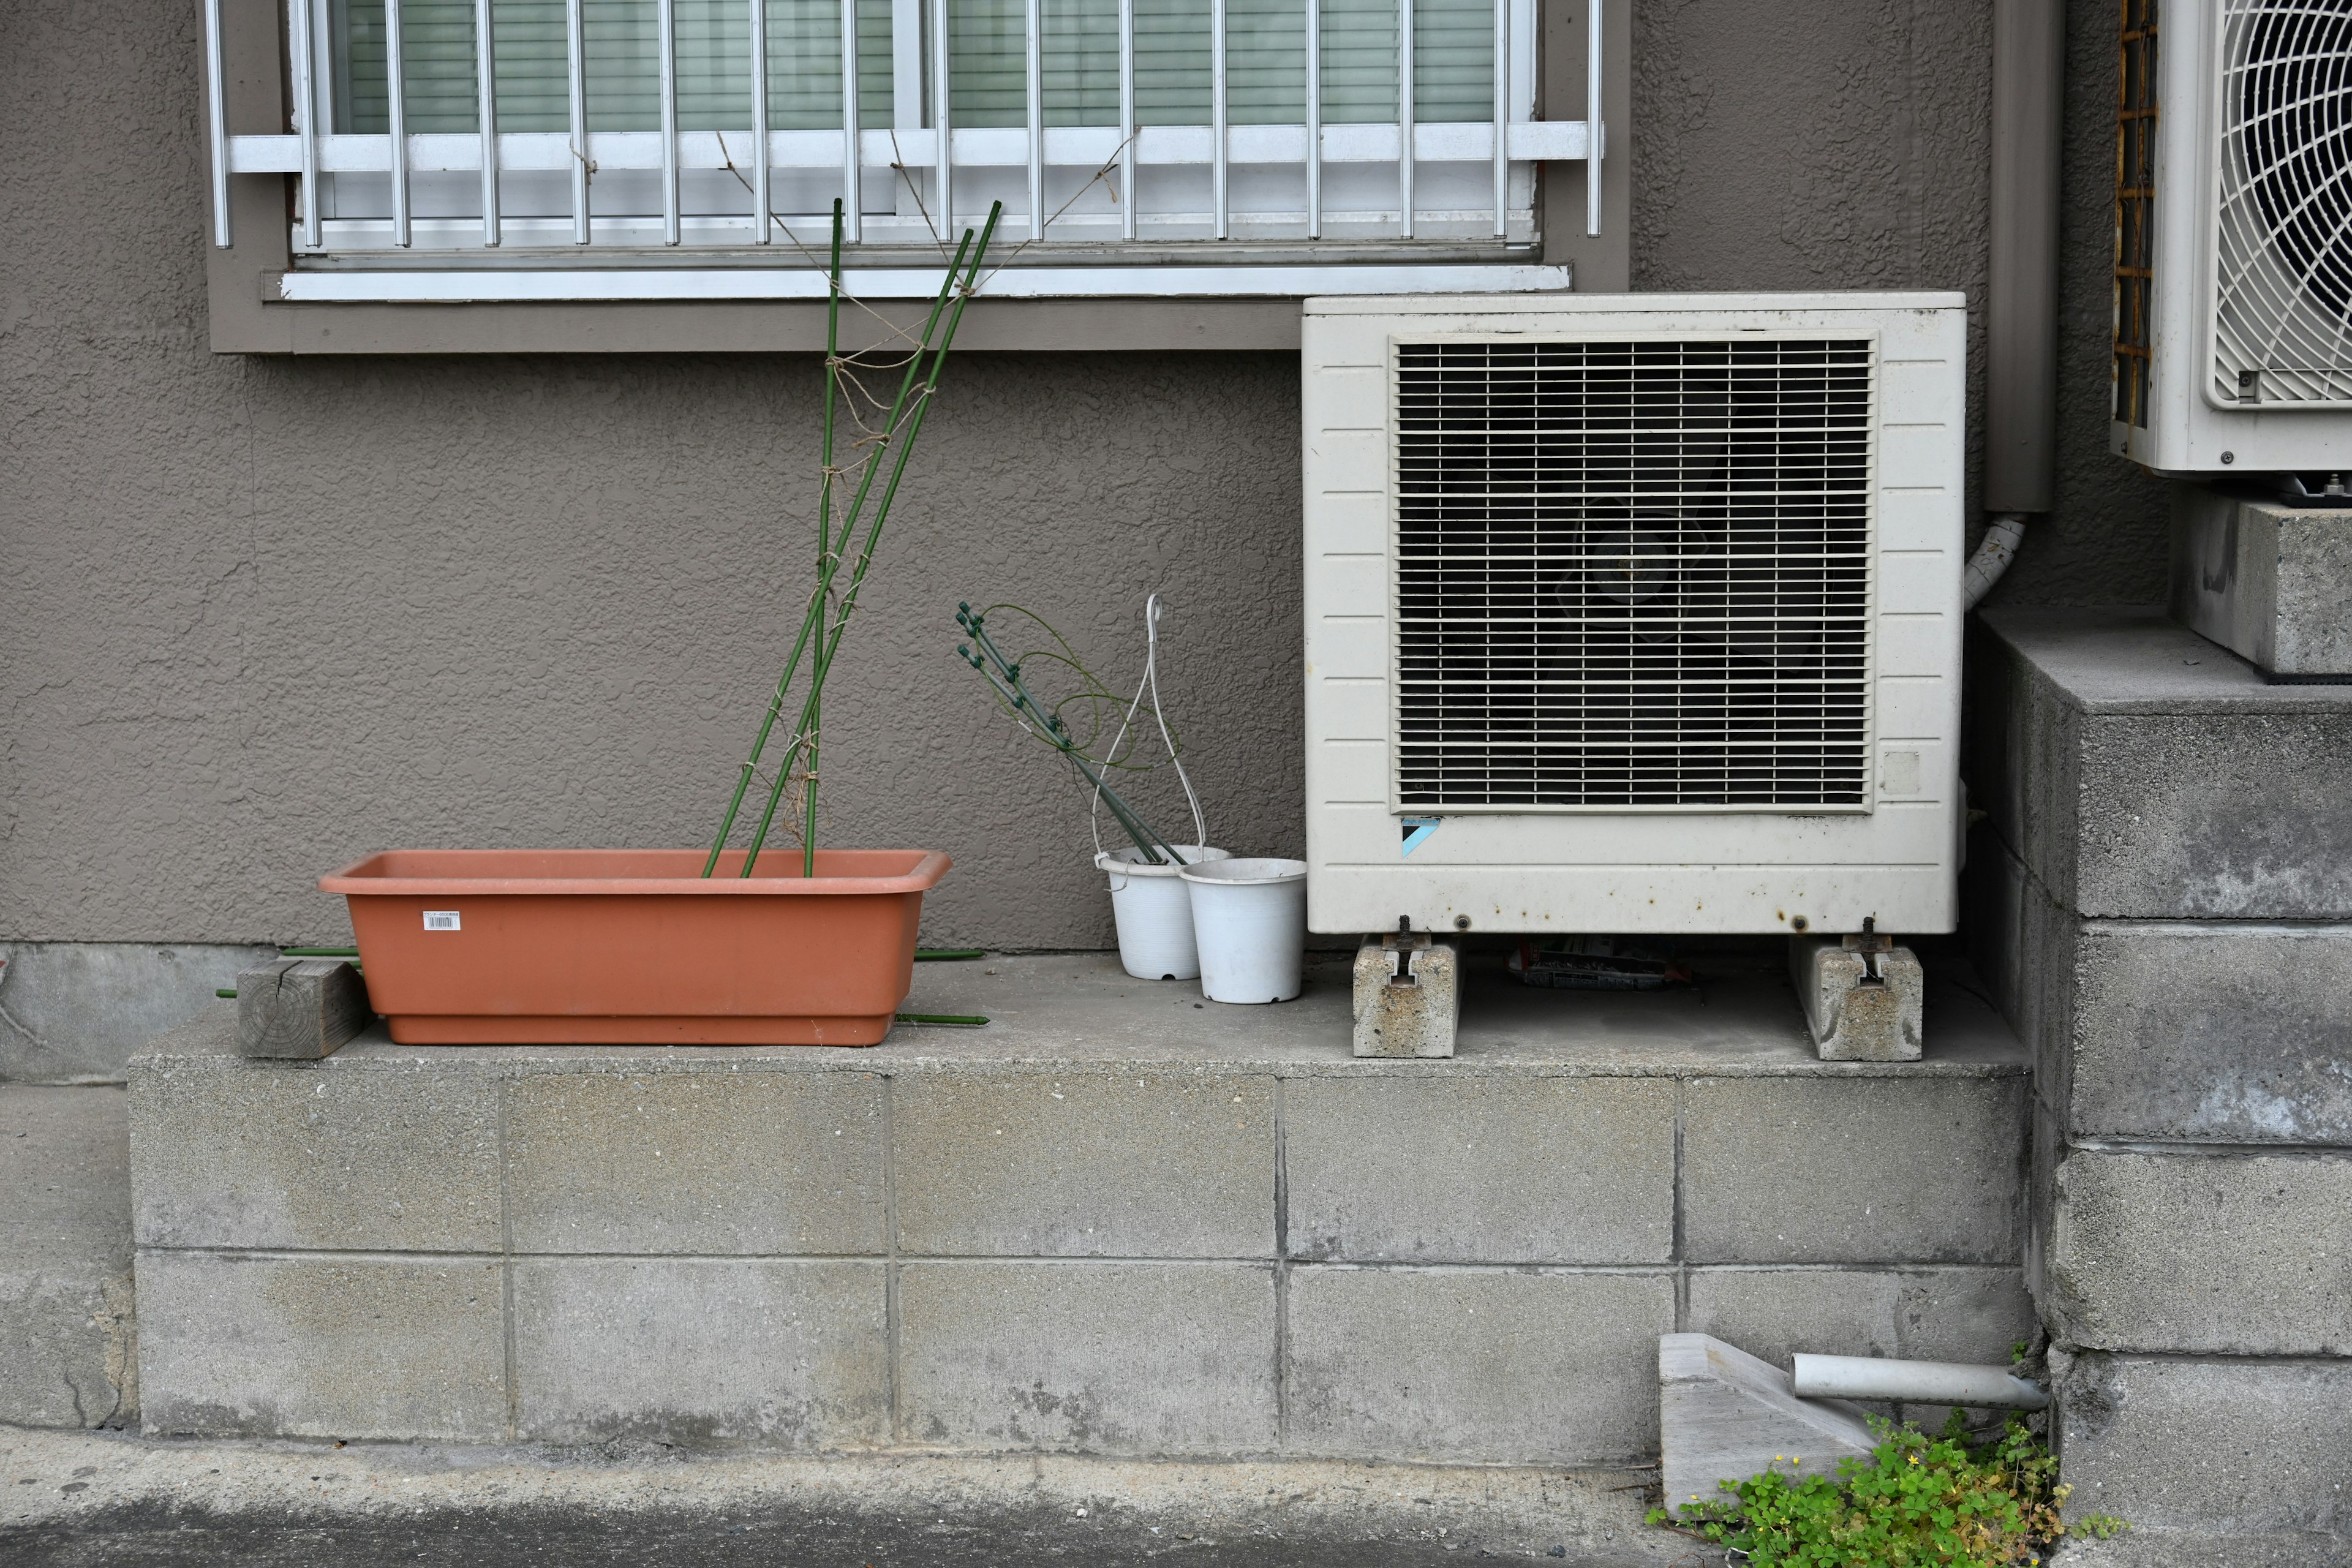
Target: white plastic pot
1154,911
1249,919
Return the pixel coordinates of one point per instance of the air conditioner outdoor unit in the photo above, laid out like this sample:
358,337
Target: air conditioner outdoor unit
2233,239
1634,613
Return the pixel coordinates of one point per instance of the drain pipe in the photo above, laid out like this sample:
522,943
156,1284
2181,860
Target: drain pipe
1927,1382
2028,58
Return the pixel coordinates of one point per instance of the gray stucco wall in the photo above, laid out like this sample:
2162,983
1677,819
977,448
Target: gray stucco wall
260,615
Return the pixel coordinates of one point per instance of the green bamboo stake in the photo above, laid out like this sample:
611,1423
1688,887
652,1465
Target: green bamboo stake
830,643
824,499
812,619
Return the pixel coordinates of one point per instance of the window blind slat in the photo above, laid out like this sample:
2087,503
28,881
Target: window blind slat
1265,51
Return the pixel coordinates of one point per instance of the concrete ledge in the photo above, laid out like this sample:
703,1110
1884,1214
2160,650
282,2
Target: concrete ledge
68,1339
2144,773
1112,1221
2214,1448
2203,1254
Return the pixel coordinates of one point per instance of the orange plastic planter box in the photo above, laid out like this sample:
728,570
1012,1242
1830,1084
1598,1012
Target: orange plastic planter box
635,946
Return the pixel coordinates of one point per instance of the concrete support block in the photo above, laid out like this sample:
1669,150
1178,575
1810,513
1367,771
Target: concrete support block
1502,1368
74,1012
2203,1254
688,1350
1853,1170
68,1339
1168,1359
308,1347
1408,997
300,1009
1863,1002
1725,1416
1086,1164
2216,1033
2221,1447
697,1163
2267,581
227,1152
1462,1170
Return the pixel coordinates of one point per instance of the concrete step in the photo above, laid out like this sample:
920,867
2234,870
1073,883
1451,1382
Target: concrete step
67,1337
2141,772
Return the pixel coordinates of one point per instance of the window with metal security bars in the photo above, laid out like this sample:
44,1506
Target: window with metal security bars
1333,128
1633,574
2135,209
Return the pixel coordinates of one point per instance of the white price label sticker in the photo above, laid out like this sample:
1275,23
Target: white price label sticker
440,919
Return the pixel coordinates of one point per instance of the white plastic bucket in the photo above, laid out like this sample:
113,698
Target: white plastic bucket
1154,911
1249,919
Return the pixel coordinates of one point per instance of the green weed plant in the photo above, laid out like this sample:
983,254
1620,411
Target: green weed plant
1917,1501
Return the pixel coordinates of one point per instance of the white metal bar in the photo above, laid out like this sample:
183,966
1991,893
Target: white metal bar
1314,118
852,163
1222,168
666,19
1404,118
1469,140
214,73
487,285
575,44
1593,133
1036,97
396,94
1127,128
943,171
762,200
485,79
1502,118
306,112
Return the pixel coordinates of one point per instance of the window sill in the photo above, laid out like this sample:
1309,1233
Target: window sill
476,286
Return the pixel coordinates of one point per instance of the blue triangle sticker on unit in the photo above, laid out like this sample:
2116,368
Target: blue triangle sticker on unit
1416,830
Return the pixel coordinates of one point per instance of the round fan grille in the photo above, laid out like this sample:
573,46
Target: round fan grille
2284,261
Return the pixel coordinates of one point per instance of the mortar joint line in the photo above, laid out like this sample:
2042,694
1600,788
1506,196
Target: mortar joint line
507,1262
1680,1251
1281,1270
890,1371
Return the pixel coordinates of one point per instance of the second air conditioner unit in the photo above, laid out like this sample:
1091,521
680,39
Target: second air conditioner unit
2233,236
1636,613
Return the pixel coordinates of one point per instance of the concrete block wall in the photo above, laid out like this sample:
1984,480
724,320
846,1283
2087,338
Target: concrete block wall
2163,900
1178,1253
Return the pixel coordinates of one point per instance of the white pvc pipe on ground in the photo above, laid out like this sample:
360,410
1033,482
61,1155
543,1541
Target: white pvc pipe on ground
1927,1382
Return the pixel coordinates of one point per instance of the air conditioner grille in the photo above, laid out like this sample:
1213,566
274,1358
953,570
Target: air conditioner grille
2283,261
1633,574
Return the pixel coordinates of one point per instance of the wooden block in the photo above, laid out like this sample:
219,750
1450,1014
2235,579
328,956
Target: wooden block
300,1009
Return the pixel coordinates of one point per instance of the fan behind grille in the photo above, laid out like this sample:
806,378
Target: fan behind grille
2284,266
1633,574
